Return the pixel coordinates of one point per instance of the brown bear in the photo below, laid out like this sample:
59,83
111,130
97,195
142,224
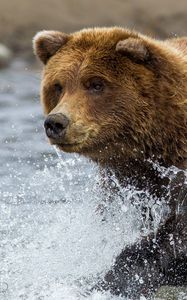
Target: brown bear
120,98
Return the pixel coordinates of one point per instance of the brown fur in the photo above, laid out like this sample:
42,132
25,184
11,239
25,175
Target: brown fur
140,114
143,107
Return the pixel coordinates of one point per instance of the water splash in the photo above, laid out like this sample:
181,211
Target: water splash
52,235
54,240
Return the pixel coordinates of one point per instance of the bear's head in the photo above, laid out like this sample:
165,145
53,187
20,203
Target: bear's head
112,93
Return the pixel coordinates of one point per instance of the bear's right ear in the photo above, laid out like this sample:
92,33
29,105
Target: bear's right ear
47,43
135,48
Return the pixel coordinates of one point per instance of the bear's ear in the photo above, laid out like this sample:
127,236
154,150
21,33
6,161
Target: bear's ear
134,48
47,43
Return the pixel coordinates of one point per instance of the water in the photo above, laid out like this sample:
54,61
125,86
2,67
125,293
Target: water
54,240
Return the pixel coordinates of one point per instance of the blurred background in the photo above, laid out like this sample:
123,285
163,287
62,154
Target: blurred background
21,19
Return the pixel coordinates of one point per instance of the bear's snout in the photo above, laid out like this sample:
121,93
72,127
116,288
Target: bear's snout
55,126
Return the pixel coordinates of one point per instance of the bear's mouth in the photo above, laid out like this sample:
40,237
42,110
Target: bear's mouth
67,147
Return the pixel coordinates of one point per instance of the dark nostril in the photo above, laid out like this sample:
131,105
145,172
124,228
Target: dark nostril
59,126
55,125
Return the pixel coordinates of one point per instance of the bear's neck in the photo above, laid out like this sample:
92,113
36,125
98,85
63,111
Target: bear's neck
133,155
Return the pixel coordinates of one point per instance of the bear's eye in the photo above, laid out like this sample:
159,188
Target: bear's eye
58,88
95,85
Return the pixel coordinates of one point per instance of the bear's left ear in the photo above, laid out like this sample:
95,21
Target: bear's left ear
47,43
135,48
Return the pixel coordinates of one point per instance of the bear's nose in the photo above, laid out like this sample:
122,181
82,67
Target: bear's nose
55,126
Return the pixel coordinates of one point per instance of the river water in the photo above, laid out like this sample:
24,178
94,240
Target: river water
54,242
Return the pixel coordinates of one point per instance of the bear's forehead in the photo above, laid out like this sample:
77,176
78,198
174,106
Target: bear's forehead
75,64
